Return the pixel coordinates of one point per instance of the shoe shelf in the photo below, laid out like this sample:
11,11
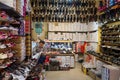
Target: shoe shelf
112,33
66,54
110,44
60,41
9,35
102,59
105,58
74,31
5,30
62,49
3,19
65,59
6,65
5,49
112,47
64,11
111,39
111,21
11,22
87,41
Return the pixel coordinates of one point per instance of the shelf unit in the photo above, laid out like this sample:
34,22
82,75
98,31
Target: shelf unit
16,48
6,49
67,54
63,11
66,58
74,31
110,38
101,59
60,41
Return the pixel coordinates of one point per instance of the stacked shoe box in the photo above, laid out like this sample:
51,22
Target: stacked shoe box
23,51
73,31
62,61
72,61
20,47
110,72
21,6
96,73
67,61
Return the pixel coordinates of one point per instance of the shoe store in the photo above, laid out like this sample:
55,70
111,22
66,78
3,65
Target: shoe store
59,39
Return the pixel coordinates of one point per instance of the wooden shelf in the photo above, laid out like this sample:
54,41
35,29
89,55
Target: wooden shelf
74,31
87,41
110,44
3,67
5,49
103,60
112,33
60,54
3,19
108,62
61,41
111,22
111,39
5,30
112,47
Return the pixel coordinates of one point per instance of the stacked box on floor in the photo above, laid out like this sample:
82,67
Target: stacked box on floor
110,72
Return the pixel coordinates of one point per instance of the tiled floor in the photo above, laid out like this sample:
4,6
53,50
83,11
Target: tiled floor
73,74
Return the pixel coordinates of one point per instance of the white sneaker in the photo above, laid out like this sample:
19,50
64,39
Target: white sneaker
3,56
12,28
4,28
2,46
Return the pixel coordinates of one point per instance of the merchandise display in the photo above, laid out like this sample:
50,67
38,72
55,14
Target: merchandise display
64,11
25,71
61,56
74,31
12,43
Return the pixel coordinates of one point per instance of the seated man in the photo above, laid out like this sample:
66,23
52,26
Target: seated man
40,49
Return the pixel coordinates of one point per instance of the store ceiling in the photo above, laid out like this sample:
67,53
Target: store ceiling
83,11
